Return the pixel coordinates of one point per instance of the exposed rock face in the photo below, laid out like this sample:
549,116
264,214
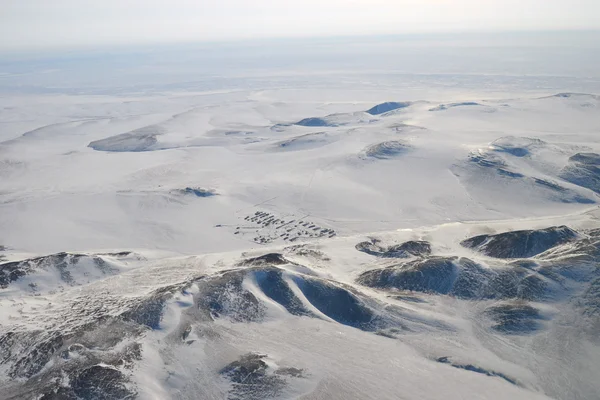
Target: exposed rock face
435,275
91,360
271,258
515,318
226,296
458,277
95,382
520,244
407,249
252,378
60,268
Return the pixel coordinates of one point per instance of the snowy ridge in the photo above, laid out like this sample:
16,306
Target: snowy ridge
179,322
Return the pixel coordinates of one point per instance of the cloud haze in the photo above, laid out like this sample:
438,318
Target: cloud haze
42,23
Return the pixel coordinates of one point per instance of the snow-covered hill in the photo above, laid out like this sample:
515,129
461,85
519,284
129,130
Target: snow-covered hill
277,235
325,319
101,180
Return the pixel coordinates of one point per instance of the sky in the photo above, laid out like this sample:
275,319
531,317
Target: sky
33,24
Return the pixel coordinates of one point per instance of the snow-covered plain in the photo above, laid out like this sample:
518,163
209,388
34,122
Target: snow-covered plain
232,230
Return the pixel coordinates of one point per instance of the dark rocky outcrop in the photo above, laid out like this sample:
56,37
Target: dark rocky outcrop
225,296
85,356
338,303
515,318
97,382
253,378
520,244
435,275
270,259
440,275
411,248
458,277
271,282
63,264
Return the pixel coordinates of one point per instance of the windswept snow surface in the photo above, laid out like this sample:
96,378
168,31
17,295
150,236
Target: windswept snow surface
289,233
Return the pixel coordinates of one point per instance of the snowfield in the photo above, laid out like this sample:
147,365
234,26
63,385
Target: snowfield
276,235
102,181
